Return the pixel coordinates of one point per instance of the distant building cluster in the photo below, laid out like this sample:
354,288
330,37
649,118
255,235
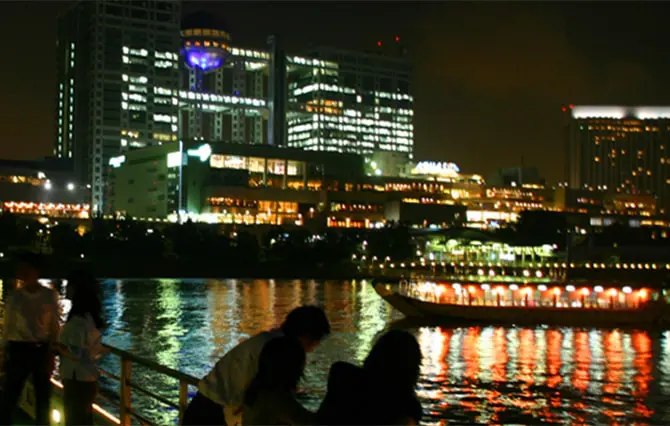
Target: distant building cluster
133,75
165,119
265,185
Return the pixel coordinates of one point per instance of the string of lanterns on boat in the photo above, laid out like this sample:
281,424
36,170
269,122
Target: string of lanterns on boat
374,262
542,295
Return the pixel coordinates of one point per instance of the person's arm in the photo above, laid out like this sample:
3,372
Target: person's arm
63,351
74,342
55,321
98,349
8,320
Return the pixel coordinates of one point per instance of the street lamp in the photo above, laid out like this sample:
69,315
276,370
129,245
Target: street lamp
70,186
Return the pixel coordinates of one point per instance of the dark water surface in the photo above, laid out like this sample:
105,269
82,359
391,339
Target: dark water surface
472,374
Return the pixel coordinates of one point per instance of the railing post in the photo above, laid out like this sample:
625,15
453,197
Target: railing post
183,399
124,397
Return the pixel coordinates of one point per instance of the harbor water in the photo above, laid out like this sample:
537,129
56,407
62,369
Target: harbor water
470,374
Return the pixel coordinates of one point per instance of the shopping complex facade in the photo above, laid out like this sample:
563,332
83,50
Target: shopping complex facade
261,184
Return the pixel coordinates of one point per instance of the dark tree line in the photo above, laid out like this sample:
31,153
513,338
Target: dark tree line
143,243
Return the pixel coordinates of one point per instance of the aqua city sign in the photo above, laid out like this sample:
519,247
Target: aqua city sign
435,168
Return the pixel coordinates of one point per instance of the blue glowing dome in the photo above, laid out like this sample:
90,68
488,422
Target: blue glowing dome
206,41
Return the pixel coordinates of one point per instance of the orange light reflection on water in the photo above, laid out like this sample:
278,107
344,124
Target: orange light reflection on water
643,369
582,361
547,374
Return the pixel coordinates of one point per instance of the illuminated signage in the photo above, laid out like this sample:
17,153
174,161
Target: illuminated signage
203,152
175,159
117,161
436,168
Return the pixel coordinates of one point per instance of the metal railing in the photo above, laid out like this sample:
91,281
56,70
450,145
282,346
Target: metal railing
127,413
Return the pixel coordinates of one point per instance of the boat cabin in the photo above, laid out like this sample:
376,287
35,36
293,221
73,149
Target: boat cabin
531,295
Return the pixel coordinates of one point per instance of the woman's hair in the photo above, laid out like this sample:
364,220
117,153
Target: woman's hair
85,297
395,361
280,367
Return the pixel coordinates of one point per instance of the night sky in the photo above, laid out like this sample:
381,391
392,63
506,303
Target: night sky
490,77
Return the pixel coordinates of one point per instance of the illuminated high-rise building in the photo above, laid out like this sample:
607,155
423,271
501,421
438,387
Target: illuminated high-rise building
118,80
620,149
355,102
133,74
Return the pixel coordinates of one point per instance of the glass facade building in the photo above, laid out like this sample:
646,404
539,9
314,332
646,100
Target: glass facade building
354,102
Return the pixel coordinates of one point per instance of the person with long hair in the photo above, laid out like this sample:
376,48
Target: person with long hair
392,369
81,347
270,398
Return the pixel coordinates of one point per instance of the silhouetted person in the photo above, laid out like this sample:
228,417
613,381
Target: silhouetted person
344,395
220,394
31,329
81,348
382,392
392,370
270,398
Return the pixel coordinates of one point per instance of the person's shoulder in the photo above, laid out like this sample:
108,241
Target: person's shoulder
248,347
345,367
259,340
345,379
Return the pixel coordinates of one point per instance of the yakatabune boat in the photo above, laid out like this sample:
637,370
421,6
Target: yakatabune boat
530,304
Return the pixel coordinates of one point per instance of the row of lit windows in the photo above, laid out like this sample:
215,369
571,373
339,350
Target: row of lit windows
183,94
368,122
312,62
166,55
139,79
358,125
161,63
623,129
165,118
205,32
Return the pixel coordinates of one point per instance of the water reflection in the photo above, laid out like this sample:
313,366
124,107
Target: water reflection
495,374
469,374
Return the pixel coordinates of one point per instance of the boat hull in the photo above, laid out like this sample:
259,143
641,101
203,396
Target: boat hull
642,317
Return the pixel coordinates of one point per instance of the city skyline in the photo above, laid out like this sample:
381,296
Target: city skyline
472,96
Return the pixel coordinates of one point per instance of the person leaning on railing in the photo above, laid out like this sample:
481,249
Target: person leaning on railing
81,347
30,330
220,396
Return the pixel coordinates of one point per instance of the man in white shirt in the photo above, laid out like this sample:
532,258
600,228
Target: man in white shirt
221,392
31,327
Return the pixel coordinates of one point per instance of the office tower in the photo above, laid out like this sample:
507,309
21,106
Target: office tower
118,79
620,149
353,102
